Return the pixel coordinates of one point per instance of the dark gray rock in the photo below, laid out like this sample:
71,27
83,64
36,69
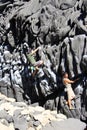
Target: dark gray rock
73,57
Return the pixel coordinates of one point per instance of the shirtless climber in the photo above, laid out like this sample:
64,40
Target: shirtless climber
70,93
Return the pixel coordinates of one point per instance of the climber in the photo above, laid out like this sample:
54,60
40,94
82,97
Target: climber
32,61
70,93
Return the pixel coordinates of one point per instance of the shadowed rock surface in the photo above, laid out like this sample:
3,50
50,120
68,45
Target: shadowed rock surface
60,28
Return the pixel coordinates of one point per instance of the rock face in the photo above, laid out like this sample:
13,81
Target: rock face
59,27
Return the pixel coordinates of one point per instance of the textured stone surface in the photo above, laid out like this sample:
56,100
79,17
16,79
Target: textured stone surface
70,124
59,27
27,117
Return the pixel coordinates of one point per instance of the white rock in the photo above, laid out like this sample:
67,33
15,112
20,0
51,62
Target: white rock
39,109
61,117
30,128
4,127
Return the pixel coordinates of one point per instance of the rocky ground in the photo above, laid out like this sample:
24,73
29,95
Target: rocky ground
19,116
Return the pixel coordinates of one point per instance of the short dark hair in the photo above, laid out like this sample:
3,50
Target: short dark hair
63,73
